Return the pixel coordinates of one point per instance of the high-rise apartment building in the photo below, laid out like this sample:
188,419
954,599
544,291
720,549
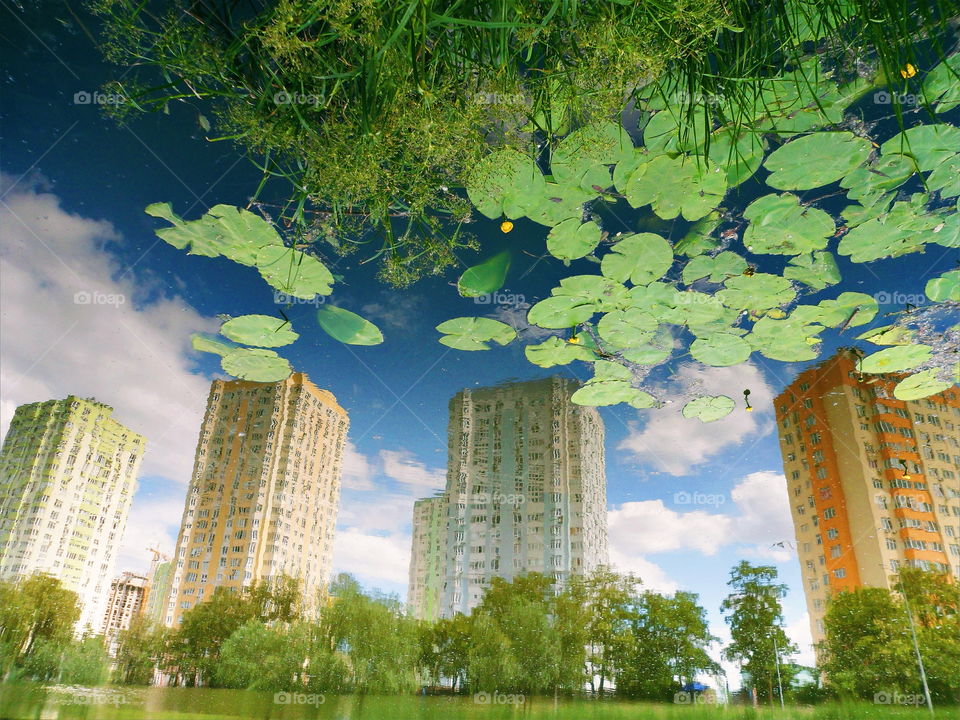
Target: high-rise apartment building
68,473
161,575
526,488
427,557
264,494
128,596
874,482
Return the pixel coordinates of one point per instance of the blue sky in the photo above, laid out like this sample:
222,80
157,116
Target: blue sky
73,188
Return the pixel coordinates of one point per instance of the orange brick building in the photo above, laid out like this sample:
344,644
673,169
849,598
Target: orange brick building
874,482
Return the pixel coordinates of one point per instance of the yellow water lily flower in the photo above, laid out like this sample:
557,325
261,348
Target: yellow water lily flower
575,340
908,71
506,226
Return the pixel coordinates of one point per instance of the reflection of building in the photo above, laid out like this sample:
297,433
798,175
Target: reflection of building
873,481
526,488
265,490
159,593
427,557
128,594
67,476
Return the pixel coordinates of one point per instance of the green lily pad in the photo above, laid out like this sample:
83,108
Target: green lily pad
945,287
901,231
626,328
740,157
818,270
816,160
870,181
348,327
224,230
709,408
256,365
496,178
759,291
602,293
725,265
698,239
895,359
928,145
787,340
555,351
946,177
920,385
612,393
628,165
485,277
658,299
850,309
941,86
293,272
260,330
854,215
597,144
604,370
560,311
889,335
571,240
203,343
553,203
704,314
780,225
474,333
640,258
720,350
948,232
677,186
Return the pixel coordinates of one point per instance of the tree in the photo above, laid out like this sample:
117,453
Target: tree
444,649
85,662
756,626
139,650
37,617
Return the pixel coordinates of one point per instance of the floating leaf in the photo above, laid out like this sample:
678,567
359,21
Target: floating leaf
571,240
627,328
260,330
928,145
640,258
888,335
725,265
485,277
628,165
759,291
945,287
705,315
203,343
348,327
850,309
602,293
677,186
780,225
898,232
895,359
740,158
708,408
698,239
224,230
611,393
473,333
256,365
870,181
946,177
818,270
560,311
920,385
788,340
941,86
555,351
552,204
293,272
720,350
582,151
815,160
499,177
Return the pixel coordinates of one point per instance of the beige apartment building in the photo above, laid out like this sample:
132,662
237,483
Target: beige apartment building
874,482
68,473
264,494
526,488
128,598
427,557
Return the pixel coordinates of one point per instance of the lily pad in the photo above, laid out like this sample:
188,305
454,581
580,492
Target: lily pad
720,350
203,343
498,177
256,365
474,333
572,239
560,311
946,177
602,293
780,225
611,393
945,287
260,330
928,145
698,239
626,328
740,157
348,327
677,186
787,340
941,86
850,309
555,351
709,408
895,359
485,277
889,335
759,291
816,160
597,144
901,231
725,265
818,270
920,385
869,181
293,272
640,258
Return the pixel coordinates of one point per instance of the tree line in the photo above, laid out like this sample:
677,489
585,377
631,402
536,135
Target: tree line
602,632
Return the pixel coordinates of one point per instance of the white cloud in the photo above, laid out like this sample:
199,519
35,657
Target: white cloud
675,444
402,466
126,351
357,469
372,558
395,309
759,518
799,631
652,576
153,522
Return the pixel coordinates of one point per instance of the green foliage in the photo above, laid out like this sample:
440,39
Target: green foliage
261,330
348,327
139,648
709,408
485,277
85,662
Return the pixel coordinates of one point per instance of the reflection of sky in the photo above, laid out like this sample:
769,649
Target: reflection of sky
688,500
